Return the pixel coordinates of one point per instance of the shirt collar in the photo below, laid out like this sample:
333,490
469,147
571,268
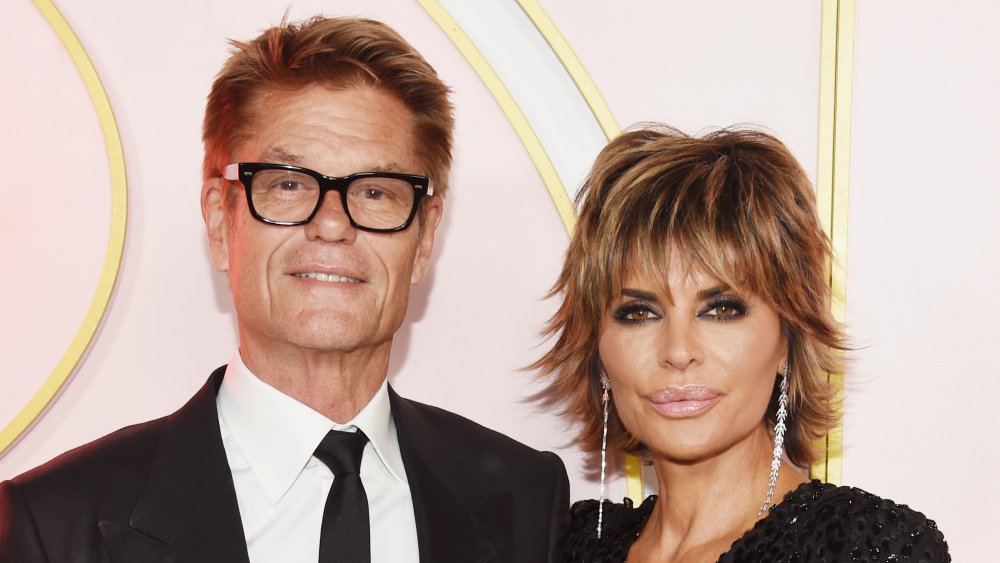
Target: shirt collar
278,435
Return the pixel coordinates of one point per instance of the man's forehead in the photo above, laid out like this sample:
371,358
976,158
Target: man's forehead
280,155
333,131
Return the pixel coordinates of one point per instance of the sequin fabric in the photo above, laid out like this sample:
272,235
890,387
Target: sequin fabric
815,523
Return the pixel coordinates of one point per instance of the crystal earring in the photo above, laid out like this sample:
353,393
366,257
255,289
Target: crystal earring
605,398
779,439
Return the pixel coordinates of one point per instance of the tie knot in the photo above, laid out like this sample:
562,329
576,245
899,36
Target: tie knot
341,451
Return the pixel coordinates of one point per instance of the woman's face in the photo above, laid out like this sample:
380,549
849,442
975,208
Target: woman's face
691,378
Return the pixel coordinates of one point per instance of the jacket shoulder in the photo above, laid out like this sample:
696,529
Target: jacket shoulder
116,461
474,438
526,490
117,464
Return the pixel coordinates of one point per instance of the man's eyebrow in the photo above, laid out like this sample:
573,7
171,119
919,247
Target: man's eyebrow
279,155
388,167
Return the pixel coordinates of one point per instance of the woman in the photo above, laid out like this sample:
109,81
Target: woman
696,331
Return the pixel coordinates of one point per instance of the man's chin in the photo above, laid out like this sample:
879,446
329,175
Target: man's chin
333,333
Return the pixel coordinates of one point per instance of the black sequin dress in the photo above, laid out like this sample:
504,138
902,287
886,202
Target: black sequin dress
815,523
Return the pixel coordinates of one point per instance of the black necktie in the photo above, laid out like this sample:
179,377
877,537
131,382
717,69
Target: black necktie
345,537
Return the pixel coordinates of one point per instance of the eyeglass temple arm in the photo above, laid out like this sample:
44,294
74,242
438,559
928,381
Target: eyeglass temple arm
231,172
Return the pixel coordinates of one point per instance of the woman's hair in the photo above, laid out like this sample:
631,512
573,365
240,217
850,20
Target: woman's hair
337,53
734,202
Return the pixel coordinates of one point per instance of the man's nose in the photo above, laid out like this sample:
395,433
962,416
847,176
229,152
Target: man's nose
331,222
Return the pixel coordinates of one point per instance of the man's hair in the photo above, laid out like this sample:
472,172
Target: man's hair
338,53
734,202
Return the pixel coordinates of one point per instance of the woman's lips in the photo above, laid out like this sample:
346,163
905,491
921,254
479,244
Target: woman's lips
683,402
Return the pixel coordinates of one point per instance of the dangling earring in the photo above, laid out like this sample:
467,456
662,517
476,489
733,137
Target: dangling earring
779,439
606,386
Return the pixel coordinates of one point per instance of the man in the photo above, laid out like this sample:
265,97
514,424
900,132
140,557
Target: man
319,142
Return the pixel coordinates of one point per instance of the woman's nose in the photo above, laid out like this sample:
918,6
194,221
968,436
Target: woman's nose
679,345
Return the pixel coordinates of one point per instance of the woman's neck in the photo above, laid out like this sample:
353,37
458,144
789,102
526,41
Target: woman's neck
707,504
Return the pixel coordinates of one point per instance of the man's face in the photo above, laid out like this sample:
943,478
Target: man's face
323,286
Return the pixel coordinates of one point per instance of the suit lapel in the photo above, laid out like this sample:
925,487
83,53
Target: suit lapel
187,511
461,517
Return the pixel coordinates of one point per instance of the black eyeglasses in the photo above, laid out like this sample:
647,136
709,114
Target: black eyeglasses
282,194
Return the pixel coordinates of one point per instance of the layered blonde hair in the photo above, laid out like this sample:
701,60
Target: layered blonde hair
734,202
338,53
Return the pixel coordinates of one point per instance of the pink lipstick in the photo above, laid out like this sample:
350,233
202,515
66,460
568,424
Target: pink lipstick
683,402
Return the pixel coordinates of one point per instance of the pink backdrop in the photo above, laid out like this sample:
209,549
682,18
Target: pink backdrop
923,241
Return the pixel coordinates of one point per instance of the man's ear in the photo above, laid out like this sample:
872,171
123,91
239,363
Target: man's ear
213,210
432,212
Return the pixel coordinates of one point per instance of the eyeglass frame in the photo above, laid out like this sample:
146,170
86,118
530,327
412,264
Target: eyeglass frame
243,172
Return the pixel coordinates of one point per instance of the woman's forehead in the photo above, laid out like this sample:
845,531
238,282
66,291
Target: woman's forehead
678,271
673,274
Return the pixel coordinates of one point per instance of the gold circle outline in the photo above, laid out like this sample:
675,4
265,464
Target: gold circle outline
116,239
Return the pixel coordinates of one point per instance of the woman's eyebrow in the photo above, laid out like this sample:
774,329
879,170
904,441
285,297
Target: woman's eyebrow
650,296
639,294
713,291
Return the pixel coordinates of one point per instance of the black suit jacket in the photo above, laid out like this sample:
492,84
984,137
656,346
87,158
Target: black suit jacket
162,491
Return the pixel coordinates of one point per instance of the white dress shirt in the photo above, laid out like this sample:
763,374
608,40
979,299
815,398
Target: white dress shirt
281,488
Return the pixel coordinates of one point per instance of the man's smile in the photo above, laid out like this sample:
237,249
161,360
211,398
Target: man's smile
323,277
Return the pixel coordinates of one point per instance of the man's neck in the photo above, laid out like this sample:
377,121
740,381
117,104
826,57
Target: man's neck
335,384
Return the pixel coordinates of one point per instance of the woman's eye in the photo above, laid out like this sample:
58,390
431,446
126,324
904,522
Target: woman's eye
635,314
639,315
725,310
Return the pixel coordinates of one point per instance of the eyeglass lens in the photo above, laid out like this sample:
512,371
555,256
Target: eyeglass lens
374,202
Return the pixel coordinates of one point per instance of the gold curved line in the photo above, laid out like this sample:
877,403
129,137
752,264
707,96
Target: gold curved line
510,109
590,93
572,64
116,239
522,127
832,183
633,479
